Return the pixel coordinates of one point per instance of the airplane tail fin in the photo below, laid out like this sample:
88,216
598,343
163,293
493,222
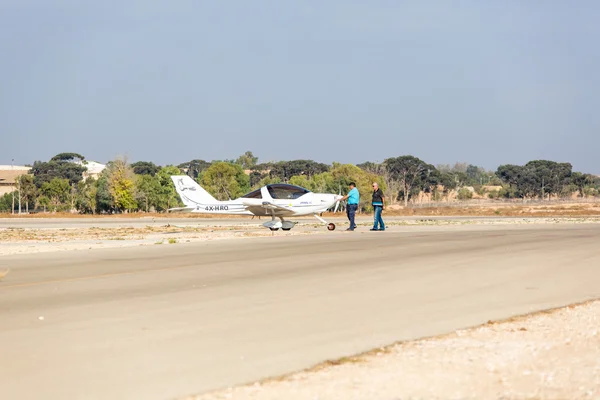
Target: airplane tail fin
190,192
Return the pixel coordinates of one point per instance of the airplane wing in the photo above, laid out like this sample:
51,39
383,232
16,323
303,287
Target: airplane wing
276,207
278,210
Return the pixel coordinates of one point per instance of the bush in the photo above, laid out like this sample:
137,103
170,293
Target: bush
494,194
465,194
480,190
6,202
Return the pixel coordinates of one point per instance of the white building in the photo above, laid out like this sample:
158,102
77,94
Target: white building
93,168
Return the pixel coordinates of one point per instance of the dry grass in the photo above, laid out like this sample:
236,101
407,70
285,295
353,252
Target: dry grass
175,233
558,210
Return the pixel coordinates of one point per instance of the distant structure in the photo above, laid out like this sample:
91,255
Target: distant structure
8,176
94,169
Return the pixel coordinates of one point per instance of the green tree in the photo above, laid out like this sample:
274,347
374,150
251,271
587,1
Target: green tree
449,182
509,173
431,180
302,181
148,191
284,170
5,202
43,201
60,166
582,182
104,200
255,178
225,181
120,184
343,174
57,191
545,177
393,186
247,160
167,195
537,178
68,157
194,168
372,167
145,168
410,171
27,190
266,180
86,197
320,183
477,175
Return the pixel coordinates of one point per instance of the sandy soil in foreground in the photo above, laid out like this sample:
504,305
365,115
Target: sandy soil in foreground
549,355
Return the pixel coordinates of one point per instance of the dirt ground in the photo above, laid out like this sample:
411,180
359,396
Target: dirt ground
25,240
503,209
549,355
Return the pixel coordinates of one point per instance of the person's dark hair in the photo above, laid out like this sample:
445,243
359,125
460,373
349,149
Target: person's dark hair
352,184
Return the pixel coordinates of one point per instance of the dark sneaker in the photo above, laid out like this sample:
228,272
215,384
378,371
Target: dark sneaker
373,229
350,229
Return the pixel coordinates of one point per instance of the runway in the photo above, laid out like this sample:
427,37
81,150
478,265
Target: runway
167,321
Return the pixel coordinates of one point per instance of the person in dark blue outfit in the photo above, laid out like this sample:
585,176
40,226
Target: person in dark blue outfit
378,203
353,199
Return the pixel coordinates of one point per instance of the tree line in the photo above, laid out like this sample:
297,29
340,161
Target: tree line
59,185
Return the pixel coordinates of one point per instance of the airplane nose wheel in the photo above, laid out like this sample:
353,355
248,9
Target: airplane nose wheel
330,226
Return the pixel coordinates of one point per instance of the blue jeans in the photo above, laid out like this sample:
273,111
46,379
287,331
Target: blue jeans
351,211
378,221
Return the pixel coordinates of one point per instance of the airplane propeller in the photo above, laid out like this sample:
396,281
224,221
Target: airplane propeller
337,203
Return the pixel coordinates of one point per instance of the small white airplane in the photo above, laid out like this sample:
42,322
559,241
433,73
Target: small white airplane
277,200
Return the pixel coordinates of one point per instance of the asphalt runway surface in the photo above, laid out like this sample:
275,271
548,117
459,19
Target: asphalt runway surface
168,321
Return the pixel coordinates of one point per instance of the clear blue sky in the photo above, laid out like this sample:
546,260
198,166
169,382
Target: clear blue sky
485,82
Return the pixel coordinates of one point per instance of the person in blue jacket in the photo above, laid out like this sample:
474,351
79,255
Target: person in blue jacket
353,199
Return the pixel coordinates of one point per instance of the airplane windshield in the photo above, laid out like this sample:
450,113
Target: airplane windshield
285,191
253,195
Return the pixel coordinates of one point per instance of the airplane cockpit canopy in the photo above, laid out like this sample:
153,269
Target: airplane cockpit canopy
280,191
285,191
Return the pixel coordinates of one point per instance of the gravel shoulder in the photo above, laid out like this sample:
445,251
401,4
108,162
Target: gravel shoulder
553,354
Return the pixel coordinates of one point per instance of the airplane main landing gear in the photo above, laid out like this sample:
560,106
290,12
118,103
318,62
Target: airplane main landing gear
274,225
